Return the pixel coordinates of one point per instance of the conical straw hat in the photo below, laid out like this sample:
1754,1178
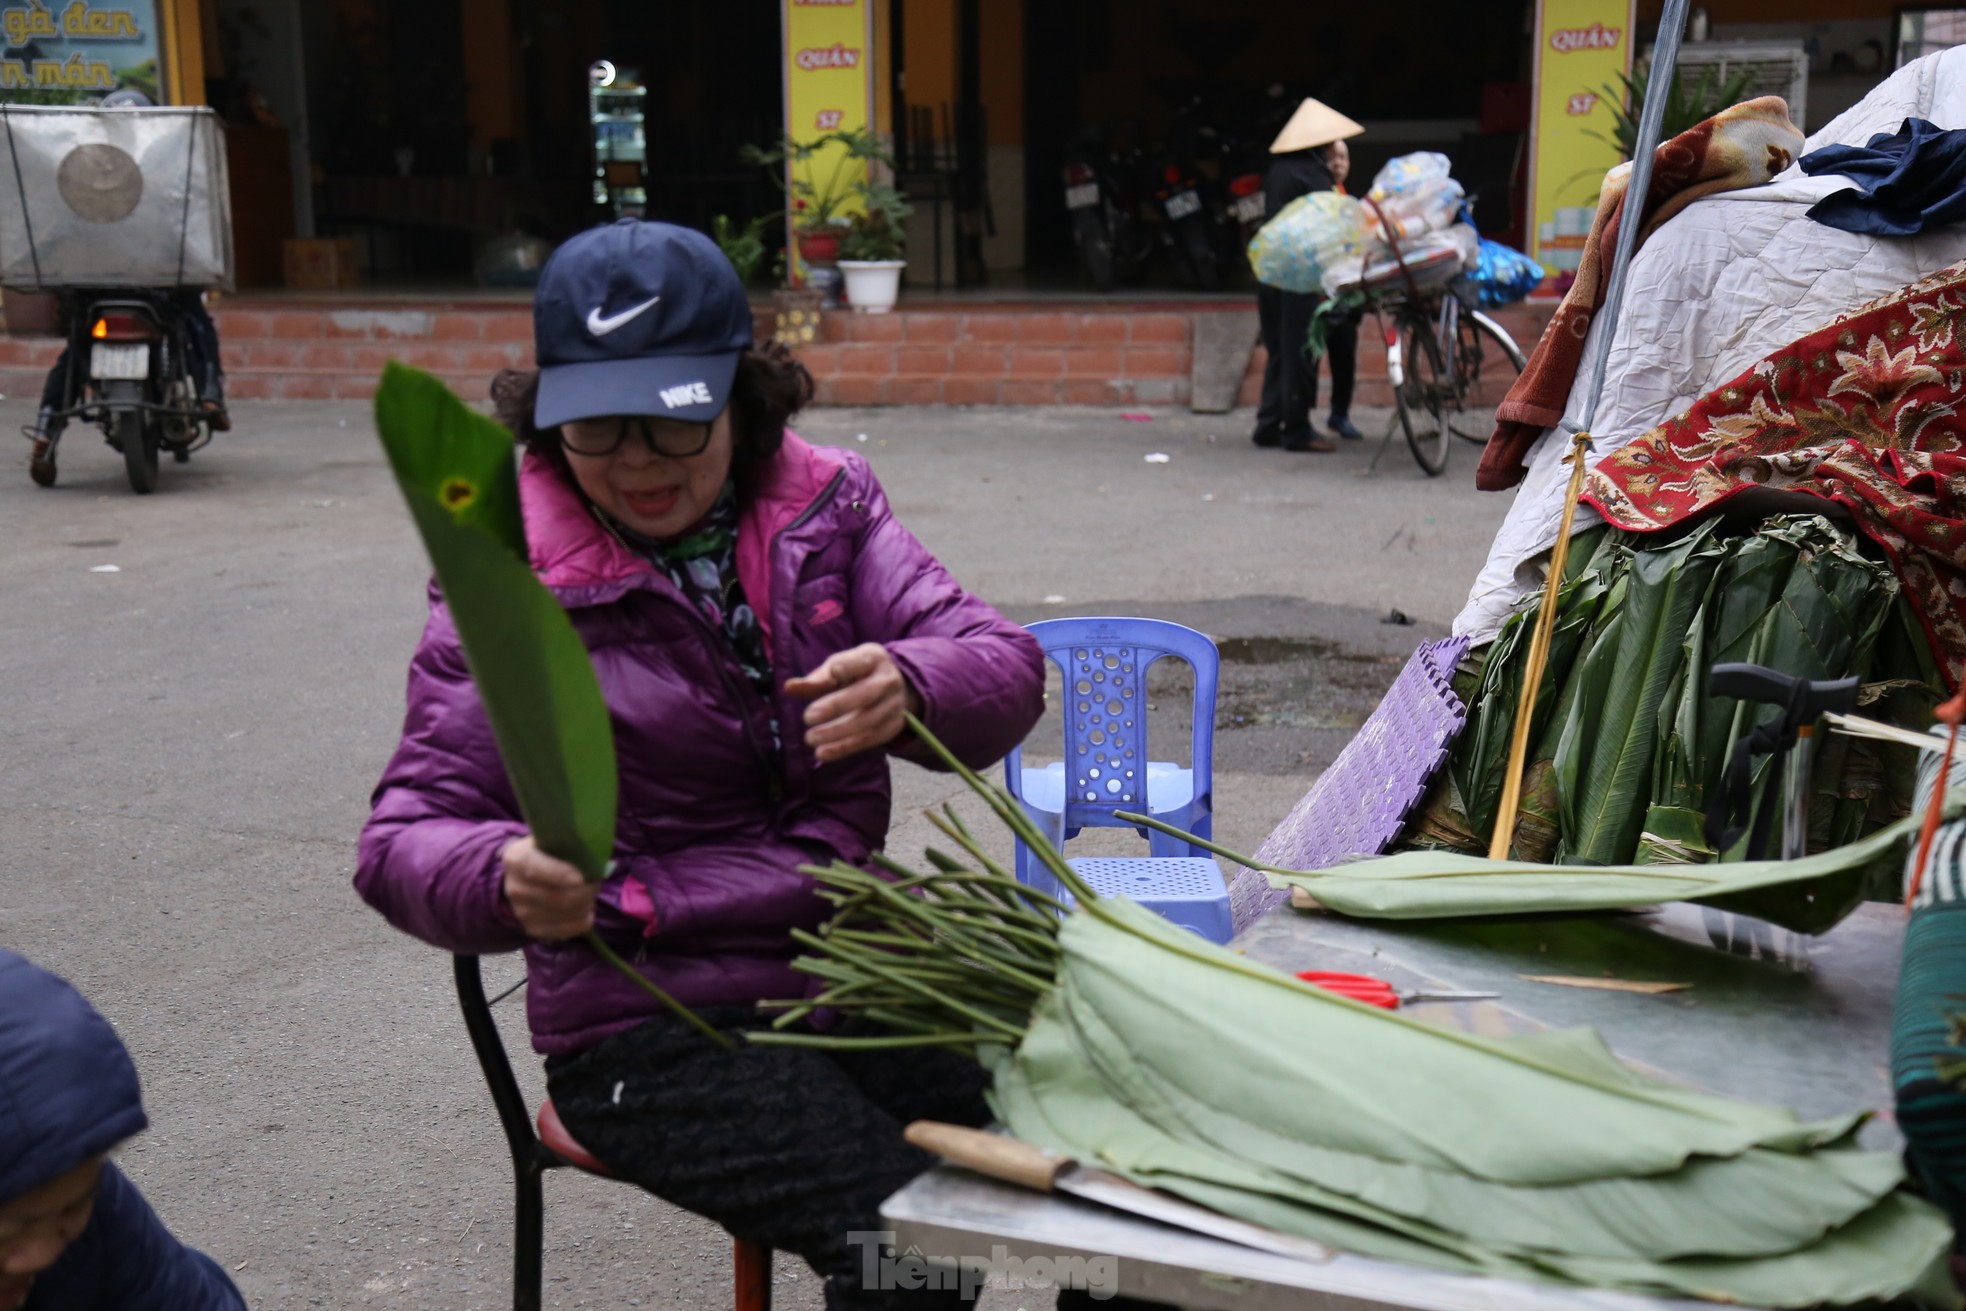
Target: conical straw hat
1314,124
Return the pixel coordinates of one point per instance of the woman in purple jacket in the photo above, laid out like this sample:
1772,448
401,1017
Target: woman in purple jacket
759,622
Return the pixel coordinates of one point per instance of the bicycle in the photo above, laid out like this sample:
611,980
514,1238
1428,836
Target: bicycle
1438,346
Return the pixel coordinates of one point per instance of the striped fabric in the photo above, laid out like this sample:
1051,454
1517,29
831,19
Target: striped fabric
1944,875
1924,1031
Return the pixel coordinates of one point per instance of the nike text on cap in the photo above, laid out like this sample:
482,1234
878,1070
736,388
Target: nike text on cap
637,318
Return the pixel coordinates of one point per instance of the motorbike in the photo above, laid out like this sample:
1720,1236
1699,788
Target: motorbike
129,372
1112,243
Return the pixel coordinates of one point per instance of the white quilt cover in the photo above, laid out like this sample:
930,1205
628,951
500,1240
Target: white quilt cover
1725,282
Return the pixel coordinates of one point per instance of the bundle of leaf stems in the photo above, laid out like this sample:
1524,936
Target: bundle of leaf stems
953,958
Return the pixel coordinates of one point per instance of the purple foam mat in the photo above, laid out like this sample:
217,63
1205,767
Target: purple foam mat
1358,806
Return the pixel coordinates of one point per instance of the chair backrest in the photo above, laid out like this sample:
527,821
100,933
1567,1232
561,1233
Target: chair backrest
1105,664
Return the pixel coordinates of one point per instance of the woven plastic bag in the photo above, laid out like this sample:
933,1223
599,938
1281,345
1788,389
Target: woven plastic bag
1503,275
1416,193
1314,244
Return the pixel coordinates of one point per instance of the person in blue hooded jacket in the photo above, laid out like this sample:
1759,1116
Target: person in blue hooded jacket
75,1235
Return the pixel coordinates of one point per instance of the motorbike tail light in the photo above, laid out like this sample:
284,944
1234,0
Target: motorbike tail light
120,325
1076,174
1172,174
1246,185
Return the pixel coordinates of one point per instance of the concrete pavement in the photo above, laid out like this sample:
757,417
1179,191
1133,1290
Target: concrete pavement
190,741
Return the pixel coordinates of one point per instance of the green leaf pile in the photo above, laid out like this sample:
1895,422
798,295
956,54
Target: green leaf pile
1627,747
1119,1039
1187,1068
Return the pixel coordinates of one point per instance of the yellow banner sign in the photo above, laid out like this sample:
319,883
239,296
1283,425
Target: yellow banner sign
1582,46
829,84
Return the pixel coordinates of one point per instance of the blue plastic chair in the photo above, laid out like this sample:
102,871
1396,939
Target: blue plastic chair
1106,769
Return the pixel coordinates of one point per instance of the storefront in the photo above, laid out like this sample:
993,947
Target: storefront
436,136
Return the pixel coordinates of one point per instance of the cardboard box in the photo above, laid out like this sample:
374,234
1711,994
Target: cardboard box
322,263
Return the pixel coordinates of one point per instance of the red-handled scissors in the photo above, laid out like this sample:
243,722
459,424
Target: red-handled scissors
1377,992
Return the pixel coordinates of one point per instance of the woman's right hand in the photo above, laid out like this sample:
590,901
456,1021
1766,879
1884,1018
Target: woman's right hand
548,895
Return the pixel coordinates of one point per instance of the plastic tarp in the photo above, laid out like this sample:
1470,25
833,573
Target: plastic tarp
113,198
1732,278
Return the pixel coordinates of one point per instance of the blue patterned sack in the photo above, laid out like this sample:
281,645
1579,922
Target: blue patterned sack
1502,275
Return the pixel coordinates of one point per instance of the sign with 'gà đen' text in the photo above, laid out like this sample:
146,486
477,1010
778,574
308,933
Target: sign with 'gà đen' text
72,52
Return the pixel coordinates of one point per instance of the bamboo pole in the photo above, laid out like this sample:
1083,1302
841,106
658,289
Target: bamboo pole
1539,655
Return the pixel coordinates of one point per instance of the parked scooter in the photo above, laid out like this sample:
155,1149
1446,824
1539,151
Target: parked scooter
128,370
1112,243
1187,219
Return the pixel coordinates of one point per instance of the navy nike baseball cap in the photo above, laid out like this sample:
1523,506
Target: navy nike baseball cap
637,318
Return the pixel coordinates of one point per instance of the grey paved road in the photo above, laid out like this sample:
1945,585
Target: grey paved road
189,743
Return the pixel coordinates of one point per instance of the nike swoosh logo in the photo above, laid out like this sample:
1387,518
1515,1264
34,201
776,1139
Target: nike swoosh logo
601,324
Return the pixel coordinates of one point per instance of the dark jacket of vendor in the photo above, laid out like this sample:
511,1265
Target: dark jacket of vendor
1291,175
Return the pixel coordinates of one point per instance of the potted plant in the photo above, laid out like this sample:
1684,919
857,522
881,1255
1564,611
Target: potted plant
743,244
817,224
871,252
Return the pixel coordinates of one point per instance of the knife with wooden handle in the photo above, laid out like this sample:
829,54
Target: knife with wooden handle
1014,1161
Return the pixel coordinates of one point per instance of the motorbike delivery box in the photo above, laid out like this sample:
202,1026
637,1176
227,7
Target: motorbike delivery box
125,212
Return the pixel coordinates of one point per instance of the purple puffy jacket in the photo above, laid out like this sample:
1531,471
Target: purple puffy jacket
709,833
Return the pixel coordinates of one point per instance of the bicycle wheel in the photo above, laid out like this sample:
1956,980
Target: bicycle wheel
1422,395
1486,363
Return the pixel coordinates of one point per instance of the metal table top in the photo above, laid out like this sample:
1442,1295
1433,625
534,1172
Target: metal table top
1768,1017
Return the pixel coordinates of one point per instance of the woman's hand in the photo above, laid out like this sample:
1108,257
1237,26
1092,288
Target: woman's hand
549,896
861,697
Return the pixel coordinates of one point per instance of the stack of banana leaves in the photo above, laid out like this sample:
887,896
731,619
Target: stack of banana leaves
1120,1039
1627,750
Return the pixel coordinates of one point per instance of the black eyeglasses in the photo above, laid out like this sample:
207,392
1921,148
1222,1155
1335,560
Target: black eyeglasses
671,438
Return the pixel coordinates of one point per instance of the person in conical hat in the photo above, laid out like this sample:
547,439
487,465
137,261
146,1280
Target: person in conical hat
1314,124
1309,155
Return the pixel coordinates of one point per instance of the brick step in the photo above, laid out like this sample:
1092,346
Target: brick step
1150,361
336,385
377,324
999,327
338,357
939,389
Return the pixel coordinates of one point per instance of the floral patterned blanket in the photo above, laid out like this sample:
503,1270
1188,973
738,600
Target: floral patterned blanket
1868,411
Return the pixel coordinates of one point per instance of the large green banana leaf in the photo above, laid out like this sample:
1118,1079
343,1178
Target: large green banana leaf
1604,760
457,470
1538,1157
1448,885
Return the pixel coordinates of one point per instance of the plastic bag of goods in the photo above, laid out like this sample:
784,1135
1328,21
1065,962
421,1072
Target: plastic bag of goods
1313,244
1431,259
1502,275
1415,194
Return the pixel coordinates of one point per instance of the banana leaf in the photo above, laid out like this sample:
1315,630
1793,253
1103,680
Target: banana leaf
1808,895
457,471
1538,1158
1674,822
1480,755
1539,818
1604,761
